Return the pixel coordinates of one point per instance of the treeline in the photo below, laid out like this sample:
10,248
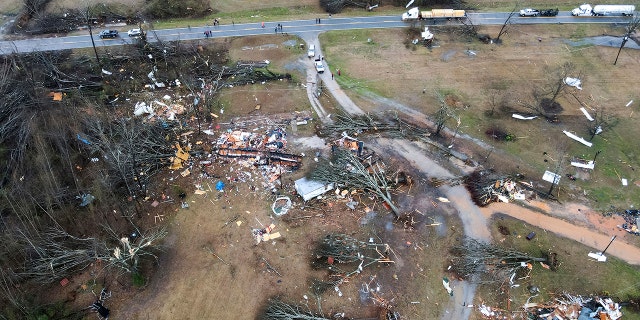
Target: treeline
39,17
336,6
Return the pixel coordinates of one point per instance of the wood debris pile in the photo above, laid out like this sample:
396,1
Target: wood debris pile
486,189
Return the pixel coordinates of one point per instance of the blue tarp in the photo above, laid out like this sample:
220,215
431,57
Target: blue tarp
219,185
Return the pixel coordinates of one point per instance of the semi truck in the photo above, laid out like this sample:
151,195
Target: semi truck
416,14
604,10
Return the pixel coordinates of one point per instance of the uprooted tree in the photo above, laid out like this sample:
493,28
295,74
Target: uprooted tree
346,169
443,114
339,249
276,309
55,254
492,263
392,126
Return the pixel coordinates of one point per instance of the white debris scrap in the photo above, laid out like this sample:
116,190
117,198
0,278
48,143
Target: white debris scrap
142,108
427,35
588,165
574,137
586,114
573,82
517,116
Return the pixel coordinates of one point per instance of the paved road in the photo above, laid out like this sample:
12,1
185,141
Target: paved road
298,27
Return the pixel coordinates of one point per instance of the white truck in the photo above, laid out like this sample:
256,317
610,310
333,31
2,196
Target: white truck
604,10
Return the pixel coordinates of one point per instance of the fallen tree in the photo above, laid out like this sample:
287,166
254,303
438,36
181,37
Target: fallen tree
346,169
473,257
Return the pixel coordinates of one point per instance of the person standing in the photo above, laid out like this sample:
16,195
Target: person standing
331,75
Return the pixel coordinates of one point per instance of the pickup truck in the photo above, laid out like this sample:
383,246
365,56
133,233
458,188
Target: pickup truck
319,66
528,12
312,51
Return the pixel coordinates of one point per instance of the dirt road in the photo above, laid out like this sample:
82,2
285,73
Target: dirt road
588,237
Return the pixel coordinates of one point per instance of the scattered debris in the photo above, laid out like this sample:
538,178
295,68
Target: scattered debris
485,190
181,156
632,221
264,234
575,307
281,206
56,96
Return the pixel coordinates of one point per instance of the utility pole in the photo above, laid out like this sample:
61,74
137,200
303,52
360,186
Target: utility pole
633,24
624,41
610,242
599,256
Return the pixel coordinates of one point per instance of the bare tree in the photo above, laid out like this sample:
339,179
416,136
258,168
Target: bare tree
443,114
633,25
134,151
348,170
507,23
601,120
544,96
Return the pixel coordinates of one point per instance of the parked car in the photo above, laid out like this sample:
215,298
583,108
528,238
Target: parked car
108,34
528,12
549,12
319,66
312,51
134,33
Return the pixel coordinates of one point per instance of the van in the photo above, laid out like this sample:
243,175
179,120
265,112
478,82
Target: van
312,51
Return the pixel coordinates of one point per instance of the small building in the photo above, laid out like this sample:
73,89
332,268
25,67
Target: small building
309,189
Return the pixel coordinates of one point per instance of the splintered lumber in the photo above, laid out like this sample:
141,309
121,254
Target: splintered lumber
270,267
217,256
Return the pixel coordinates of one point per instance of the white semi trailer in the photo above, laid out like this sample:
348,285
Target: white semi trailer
604,10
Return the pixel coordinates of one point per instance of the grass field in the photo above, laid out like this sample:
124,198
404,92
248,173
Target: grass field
507,72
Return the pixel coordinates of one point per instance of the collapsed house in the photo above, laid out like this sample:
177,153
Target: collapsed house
262,149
